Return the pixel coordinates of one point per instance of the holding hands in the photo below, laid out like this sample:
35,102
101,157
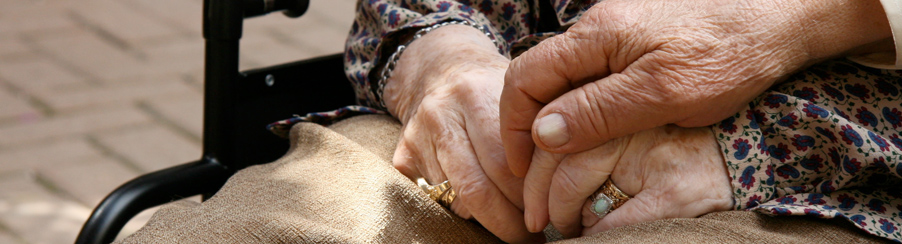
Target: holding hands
613,98
601,100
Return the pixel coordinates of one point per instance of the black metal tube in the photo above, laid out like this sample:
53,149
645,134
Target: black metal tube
148,191
291,8
222,30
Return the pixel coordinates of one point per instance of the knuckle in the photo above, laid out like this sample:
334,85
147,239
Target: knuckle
565,184
477,194
591,112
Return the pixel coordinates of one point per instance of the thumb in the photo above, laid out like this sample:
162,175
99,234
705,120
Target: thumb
615,106
536,78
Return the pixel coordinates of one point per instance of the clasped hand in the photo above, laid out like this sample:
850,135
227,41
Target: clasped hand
616,96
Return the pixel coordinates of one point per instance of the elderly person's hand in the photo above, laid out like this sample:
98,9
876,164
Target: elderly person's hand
669,172
445,92
628,66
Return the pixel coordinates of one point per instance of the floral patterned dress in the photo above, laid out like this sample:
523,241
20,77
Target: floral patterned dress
826,143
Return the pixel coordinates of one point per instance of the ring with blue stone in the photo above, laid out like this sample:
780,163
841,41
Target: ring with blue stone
606,199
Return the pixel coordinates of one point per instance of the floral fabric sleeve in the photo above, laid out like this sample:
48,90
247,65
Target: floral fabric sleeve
380,25
826,143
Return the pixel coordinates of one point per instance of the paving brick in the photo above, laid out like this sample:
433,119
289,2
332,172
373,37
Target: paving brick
196,77
337,12
70,125
89,179
46,155
127,93
263,49
270,21
320,36
178,55
15,106
186,112
28,16
12,47
124,23
40,73
6,237
183,15
152,148
37,215
94,55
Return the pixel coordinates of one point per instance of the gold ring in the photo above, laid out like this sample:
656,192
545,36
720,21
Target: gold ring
441,193
607,198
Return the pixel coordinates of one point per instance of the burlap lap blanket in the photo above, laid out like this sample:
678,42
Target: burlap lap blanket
337,185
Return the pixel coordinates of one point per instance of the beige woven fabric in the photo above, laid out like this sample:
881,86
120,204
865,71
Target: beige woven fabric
337,185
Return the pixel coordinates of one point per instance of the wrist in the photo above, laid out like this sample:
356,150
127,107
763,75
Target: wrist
842,27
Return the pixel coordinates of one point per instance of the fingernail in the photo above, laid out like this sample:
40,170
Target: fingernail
529,221
552,130
532,223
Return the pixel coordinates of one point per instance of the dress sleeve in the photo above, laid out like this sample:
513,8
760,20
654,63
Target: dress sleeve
887,60
381,25
825,143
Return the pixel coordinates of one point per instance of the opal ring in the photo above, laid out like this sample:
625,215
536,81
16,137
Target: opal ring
441,193
606,199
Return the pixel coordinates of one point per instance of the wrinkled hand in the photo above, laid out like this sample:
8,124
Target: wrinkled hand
445,92
628,66
669,172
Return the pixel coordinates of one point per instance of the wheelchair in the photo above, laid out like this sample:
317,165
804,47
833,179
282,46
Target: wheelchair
237,107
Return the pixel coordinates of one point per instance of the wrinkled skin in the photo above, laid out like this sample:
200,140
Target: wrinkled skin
445,92
622,69
573,104
669,172
619,71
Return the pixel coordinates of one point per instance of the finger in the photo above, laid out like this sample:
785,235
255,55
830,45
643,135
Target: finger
589,218
620,104
477,193
461,210
641,208
404,161
423,149
407,160
575,180
517,111
486,142
535,78
536,186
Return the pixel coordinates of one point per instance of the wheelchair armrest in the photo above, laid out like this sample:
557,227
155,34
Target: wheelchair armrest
147,191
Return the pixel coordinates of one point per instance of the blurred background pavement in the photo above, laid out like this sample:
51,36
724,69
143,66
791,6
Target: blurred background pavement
96,92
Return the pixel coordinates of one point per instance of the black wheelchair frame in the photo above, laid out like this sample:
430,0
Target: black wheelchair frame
237,106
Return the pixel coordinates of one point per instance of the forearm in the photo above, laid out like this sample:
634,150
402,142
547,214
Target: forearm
428,61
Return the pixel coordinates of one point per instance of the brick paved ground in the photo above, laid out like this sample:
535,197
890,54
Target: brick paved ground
96,92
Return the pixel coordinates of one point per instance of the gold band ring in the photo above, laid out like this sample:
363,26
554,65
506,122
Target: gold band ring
441,193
